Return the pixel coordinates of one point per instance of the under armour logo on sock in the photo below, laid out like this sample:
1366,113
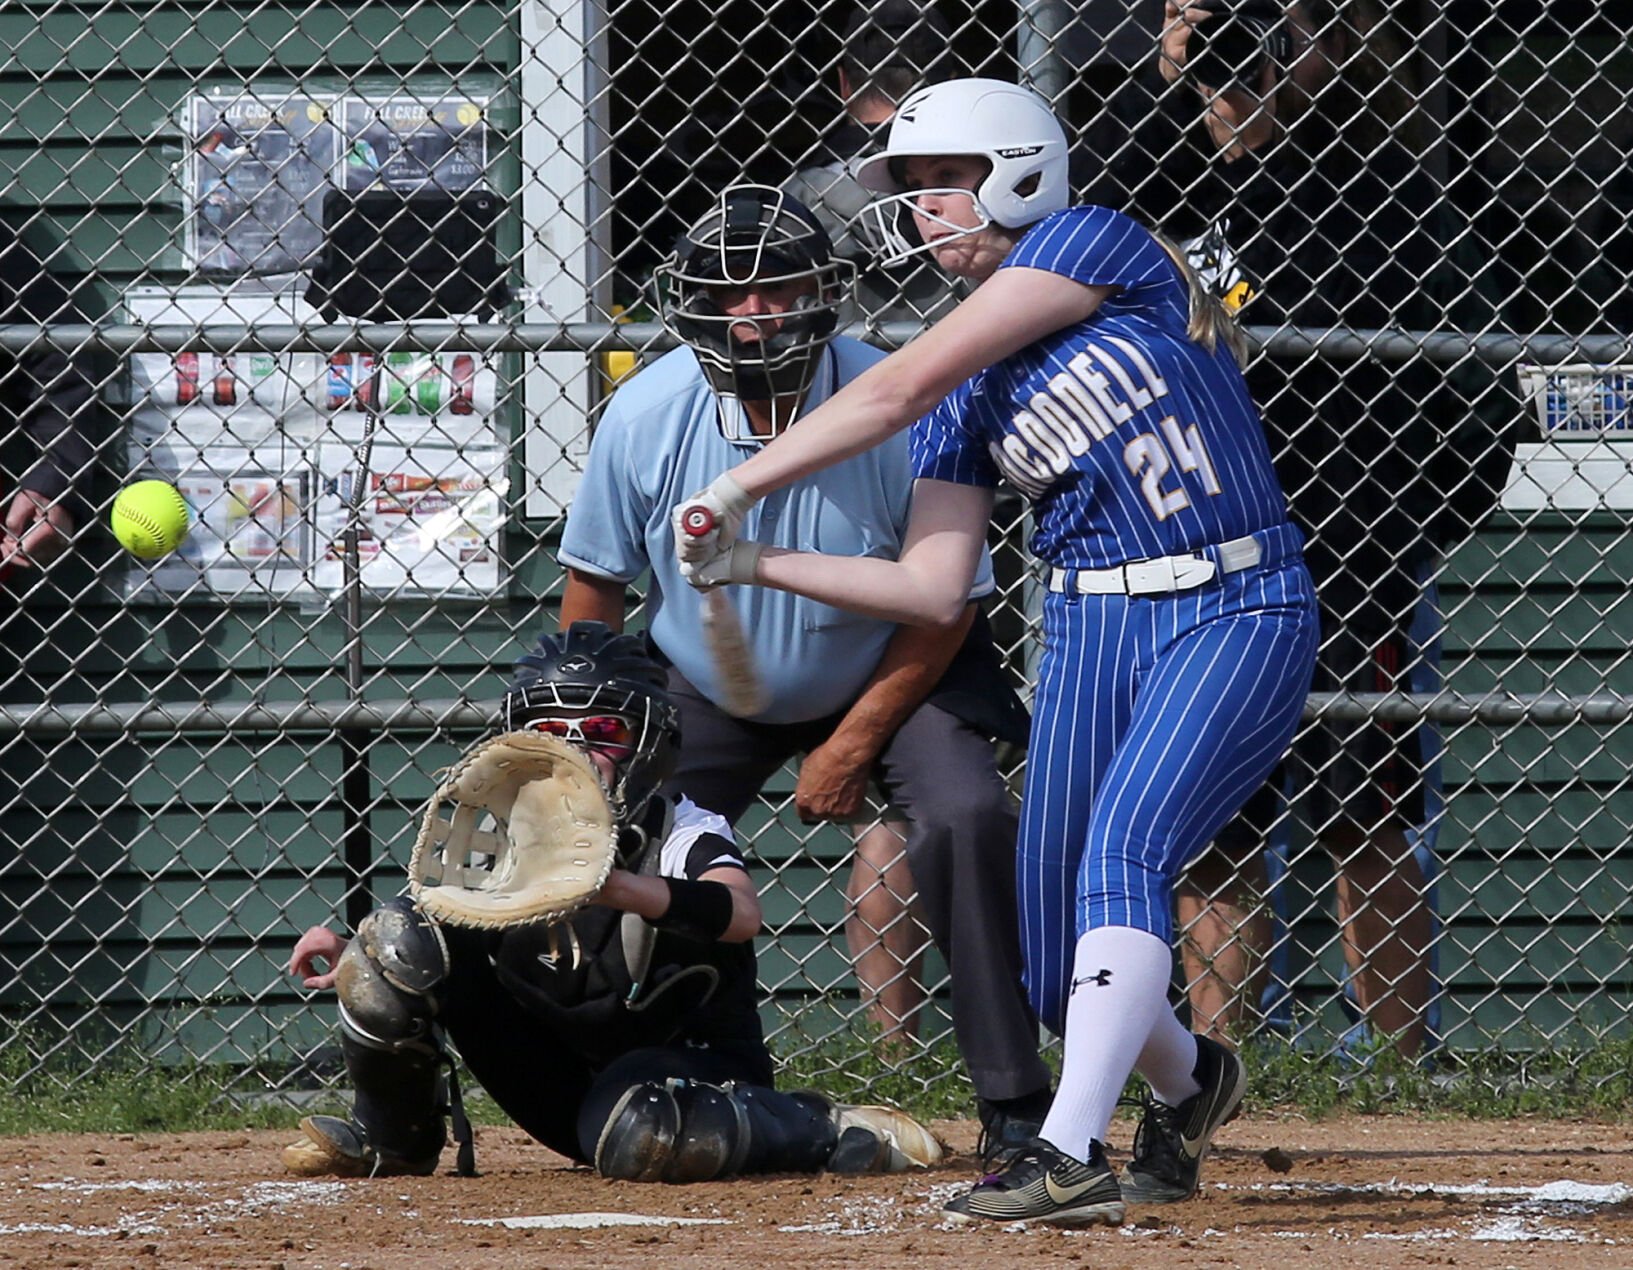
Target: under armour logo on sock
1101,980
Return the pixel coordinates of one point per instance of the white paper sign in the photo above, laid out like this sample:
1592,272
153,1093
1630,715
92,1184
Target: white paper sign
431,520
205,399
444,398
250,532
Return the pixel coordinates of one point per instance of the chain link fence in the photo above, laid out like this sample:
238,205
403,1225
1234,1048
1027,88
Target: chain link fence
253,229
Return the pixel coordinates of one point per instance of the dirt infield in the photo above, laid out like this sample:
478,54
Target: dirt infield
1380,1191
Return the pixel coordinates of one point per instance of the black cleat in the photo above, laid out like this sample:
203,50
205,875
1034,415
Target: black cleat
1042,1184
1171,1142
1007,1131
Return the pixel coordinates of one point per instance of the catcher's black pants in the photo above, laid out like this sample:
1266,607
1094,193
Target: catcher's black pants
536,1077
941,773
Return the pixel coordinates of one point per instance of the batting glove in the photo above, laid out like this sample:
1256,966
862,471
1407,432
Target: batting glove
707,522
735,564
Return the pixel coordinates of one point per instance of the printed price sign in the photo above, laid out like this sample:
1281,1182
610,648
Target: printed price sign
256,172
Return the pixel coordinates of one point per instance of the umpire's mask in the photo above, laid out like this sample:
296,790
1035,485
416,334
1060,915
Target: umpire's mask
755,237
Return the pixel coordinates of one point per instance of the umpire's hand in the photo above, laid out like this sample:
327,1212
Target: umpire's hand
833,781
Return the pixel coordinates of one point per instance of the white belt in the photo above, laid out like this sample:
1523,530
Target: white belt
1160,576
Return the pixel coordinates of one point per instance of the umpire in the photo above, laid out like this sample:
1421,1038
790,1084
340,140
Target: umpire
654,1072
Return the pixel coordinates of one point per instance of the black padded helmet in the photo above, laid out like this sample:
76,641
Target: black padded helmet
589,667
754,234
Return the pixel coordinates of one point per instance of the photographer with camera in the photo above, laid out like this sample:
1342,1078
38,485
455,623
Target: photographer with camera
1274,158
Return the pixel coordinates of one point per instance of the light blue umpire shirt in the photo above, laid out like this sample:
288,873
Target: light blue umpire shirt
658,443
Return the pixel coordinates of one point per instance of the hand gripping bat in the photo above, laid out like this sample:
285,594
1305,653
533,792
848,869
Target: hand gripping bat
742,692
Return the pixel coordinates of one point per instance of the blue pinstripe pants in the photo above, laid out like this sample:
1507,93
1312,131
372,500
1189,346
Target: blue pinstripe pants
1155,718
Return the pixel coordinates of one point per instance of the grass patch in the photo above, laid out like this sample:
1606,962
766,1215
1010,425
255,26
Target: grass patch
54,1092
134,1100
928,1081
1589,1081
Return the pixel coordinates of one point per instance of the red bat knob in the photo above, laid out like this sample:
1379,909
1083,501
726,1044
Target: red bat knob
697,521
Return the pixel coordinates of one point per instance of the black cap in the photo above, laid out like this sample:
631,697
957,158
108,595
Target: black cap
900,35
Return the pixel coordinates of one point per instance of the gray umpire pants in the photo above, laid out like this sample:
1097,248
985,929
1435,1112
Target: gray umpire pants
942,775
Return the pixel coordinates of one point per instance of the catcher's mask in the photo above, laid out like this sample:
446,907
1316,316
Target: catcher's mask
755,236
590,674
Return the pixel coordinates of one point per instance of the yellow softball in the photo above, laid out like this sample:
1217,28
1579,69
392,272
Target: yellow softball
149,518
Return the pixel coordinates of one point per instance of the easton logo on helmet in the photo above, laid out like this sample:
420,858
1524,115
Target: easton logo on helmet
1018,152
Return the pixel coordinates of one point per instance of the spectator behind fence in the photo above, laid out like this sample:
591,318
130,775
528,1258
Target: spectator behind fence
889,48
754,294
1299,208
46,437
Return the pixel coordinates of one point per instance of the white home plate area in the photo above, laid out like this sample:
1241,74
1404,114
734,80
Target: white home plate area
1514,1214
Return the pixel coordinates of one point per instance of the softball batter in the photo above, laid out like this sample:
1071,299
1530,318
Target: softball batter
1091,372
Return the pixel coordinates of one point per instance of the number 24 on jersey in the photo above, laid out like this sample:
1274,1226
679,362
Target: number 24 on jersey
1153,458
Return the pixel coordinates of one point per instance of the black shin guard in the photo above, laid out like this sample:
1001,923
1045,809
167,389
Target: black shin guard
788,1133
691,1131
399,1100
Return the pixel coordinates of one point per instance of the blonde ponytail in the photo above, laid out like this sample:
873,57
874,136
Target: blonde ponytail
1210,322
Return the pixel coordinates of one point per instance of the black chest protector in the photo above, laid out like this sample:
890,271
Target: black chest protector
606,982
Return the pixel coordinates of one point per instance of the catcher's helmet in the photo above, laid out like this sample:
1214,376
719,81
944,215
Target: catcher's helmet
589,667
754,234
1009,126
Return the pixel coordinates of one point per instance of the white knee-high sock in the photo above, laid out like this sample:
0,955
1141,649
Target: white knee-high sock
1168,1061
1119,990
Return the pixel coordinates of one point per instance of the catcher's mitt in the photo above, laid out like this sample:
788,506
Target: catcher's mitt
551,850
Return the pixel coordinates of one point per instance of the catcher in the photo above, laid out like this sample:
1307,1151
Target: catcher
622,1033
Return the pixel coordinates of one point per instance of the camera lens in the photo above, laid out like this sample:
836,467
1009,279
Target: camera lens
1227,50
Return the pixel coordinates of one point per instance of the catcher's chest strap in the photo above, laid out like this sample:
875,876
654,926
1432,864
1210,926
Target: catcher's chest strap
637,934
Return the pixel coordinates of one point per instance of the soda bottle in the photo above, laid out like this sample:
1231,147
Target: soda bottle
225,391
340,380
186,378
363,379
464,401
428,388
396,398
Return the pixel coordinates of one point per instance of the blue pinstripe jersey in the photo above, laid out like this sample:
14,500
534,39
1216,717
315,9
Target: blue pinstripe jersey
1130,440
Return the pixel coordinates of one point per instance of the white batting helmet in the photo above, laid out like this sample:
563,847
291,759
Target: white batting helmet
1008,125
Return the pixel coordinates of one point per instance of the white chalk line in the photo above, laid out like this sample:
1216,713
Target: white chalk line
258,1199
590,1221
1525,1220
1562,1192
